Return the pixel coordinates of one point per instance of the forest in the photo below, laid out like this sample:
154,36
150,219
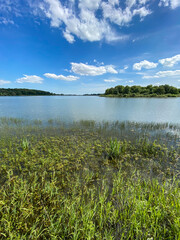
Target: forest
138,91
23,92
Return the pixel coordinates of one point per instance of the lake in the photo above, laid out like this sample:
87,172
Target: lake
75,108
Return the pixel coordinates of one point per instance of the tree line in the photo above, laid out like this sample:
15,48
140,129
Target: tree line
138,91
23,92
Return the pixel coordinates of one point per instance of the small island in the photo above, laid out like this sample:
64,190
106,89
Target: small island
23,92
138,91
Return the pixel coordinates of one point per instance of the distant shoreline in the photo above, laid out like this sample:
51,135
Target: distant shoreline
100,95
23,92
150,91
141,96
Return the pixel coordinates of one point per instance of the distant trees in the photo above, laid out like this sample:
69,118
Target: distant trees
148,91
23,92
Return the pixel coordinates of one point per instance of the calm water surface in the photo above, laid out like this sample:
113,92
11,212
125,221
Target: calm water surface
91,108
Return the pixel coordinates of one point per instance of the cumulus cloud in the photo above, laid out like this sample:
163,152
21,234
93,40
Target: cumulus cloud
84,25
170,3
144,64
116,15
80,18
162,74
69,78
88,20
121,16
2,82
91,70
170,62
30,79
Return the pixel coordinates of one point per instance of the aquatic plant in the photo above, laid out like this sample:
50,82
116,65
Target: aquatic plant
89,181
25,144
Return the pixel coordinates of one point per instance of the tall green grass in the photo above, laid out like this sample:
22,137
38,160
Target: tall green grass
89,180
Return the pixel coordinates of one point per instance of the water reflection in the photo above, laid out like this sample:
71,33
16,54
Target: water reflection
92,108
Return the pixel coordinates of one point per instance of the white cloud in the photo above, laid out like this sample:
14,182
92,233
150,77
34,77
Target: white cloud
110,69
7,7
110,80
2,82
91,70
84,25
69,37
124,69
79,18
121,16
6,21
142,12
143,1
89,4
69,78
30,79
170,3
141,73
144,64
162,74
114,2
130,3
170,62
130,81
116,15
113,80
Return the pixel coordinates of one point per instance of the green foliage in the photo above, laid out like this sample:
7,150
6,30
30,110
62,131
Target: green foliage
117,148
25,144
22,92
89,181
138,91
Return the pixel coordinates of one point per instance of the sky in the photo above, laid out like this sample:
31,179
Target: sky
87,46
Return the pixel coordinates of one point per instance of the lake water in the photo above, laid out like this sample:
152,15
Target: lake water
74,108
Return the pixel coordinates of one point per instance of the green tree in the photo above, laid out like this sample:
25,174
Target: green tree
126,90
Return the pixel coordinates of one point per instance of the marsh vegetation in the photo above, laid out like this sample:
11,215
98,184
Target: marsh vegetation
89,180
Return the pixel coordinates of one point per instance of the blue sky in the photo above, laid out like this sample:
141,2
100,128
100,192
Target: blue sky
87,46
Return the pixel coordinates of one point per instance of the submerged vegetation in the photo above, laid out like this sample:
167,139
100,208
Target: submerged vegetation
138,91
88,180
23,92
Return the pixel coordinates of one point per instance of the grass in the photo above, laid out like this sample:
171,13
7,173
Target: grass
89,180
